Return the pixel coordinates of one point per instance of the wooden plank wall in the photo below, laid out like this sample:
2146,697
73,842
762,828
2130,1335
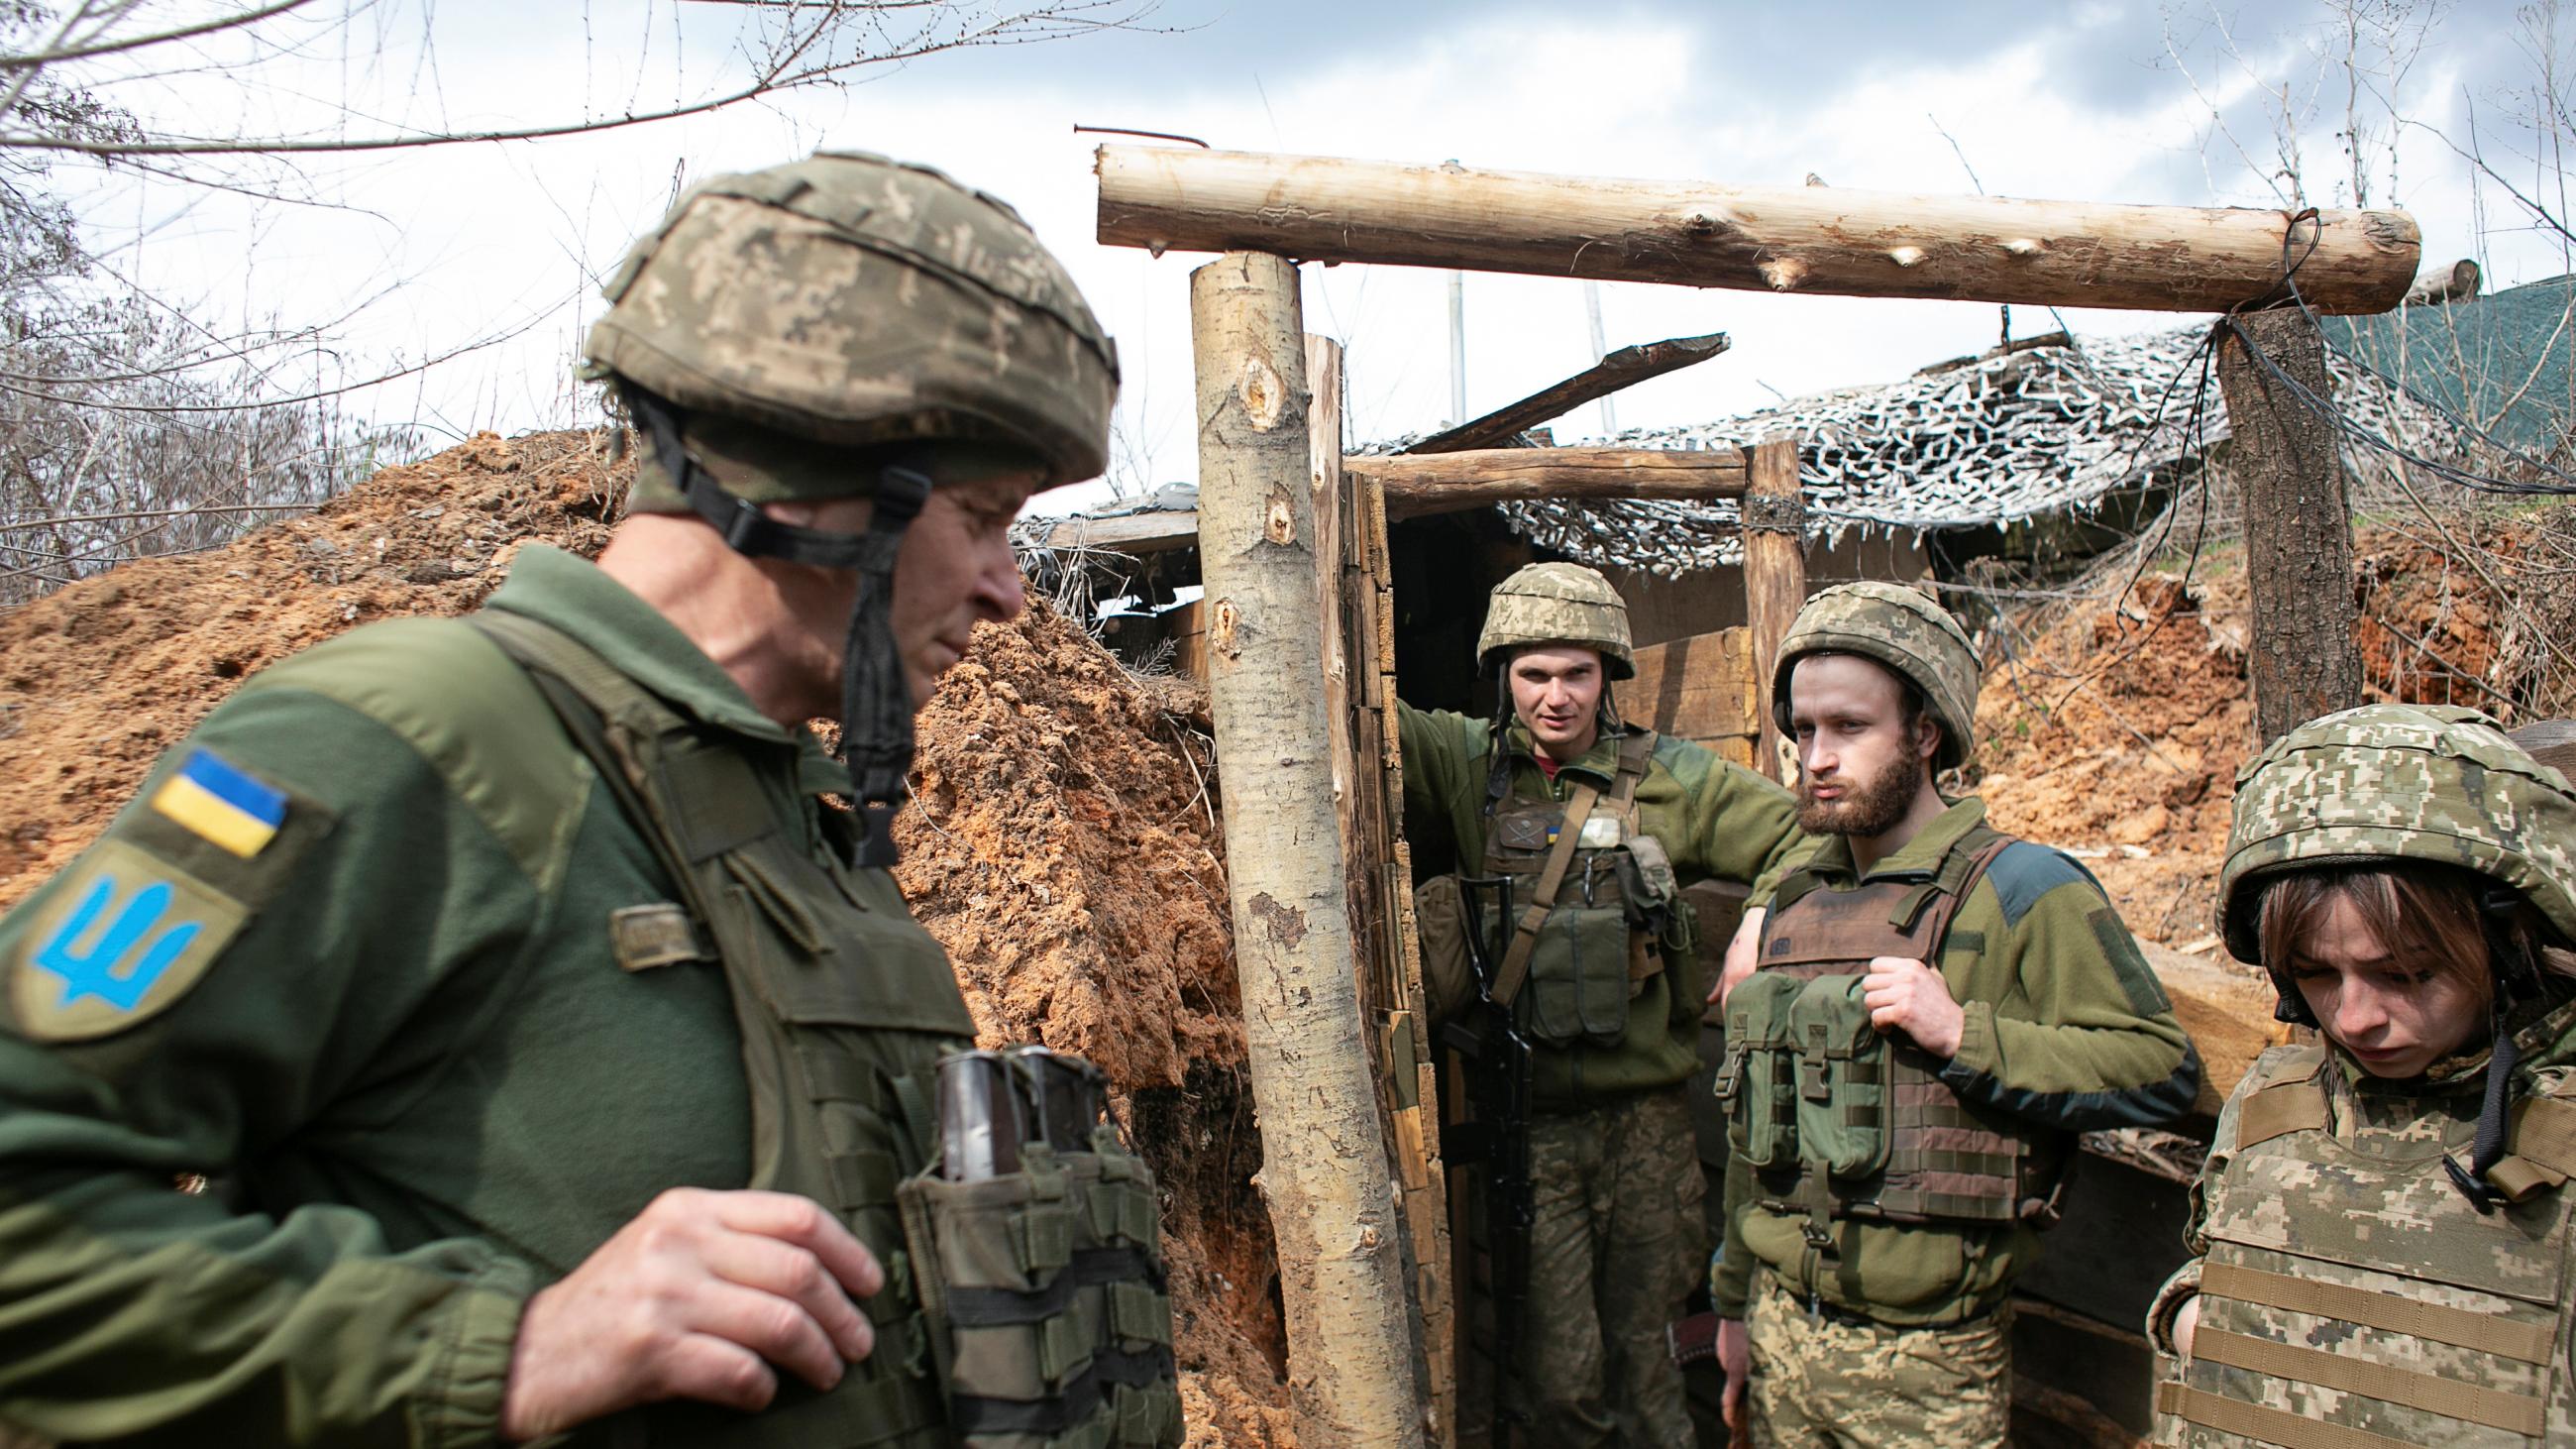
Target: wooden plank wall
1702,689
1368,788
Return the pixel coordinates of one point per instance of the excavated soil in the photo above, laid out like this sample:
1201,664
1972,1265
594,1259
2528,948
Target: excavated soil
2119,734
1063,843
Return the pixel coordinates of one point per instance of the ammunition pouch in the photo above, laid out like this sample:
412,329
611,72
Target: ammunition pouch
1838,1120
1044,1297
1604,913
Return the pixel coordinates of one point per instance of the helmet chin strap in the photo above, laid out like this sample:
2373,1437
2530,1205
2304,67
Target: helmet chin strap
876,701
2517,978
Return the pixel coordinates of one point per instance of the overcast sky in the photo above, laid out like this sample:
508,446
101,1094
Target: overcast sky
2080,101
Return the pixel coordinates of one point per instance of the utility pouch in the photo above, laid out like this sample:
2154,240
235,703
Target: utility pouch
1844,1071
1044,1295
1578,977
1759,1080
1448,966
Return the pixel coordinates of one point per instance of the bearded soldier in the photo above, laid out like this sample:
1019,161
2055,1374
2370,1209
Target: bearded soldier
1577,834
562,1055
1937,1008
2381,1231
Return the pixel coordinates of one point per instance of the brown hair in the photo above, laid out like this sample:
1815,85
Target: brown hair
2424,915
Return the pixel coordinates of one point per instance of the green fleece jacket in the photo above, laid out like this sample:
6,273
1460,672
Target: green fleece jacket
395,1033
2067,1029
1715,819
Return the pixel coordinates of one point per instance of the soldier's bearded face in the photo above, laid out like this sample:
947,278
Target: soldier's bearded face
1859,768
2396,1017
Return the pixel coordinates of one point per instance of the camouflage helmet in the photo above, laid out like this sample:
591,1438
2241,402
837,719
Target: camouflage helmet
1557,603
855,302
2435,783
1903,629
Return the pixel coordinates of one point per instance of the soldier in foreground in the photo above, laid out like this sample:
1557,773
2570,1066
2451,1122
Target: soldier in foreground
563,1058
1572,836
2383,1222
1937,1009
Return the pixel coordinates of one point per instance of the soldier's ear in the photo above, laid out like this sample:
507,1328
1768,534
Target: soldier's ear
1927,736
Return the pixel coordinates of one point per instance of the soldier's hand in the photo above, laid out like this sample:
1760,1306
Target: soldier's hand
1735,1355
703,1296
2186,1321
1905,995
1743,953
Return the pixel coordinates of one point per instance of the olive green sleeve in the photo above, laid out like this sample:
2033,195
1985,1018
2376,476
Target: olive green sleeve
2064,1023
1743,827
1731,1277
129,1309
1444,761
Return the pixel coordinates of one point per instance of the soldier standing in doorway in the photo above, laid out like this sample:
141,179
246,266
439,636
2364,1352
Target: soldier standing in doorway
567,1061
1934,1011
1575,834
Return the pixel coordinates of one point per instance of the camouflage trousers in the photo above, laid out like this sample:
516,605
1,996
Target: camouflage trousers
1618,1242
1824,1383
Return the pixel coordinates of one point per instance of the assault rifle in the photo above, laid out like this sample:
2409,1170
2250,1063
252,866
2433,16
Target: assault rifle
1496,1140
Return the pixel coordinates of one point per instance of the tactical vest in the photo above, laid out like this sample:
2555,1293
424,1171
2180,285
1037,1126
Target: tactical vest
1020,1311
1594,906
2352,1298
1839,1120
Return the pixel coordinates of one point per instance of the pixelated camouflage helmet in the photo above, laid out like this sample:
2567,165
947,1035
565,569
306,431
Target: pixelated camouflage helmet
2434,783
1903,629
1557,603
855,301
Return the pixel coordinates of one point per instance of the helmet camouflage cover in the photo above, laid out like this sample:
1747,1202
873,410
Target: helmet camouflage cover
853,301
2434,783
1557,603
1903,629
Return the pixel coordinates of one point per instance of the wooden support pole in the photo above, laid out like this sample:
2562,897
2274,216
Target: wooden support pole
1417,484
1624,368
1324,1158
1775,574
1790,239
2298,530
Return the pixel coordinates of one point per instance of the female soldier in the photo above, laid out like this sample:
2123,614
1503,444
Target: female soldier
2383,1222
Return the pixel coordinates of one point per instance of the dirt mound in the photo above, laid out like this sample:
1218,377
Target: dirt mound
2119,735
1063,844
101,676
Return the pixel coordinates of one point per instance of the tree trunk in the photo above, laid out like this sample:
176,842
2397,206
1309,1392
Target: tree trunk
1799,239
1324,1170
2298,532
1775,575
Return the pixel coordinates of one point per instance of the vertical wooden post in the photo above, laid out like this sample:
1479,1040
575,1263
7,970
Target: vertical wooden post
2298,529
1324,1170
1775,573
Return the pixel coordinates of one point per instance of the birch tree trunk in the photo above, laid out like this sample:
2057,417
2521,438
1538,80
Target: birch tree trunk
1324,1169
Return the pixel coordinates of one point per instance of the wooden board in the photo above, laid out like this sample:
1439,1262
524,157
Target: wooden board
1703,688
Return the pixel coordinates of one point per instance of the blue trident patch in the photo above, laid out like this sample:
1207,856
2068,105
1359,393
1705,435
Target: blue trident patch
109,967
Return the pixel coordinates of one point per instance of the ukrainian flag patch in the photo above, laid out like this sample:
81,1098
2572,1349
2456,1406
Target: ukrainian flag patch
222,804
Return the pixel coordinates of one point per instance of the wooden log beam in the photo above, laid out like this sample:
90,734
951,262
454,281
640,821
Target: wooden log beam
1152,531
1775,578
2298,528
1324,1172
1417,483
1624,368
1788,239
